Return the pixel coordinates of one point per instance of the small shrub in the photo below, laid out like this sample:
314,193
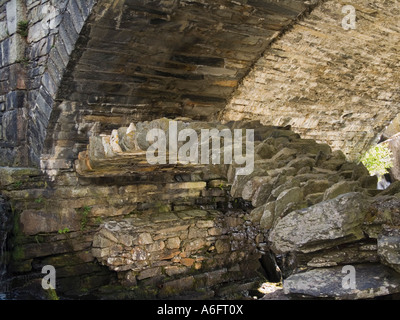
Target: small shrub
84,216
23,27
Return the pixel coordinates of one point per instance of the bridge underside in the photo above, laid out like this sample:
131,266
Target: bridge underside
147,59
141,60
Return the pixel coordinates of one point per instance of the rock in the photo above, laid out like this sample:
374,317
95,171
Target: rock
174,287
265,150
369,182
335,162
15,176
384,210
301,162
145,238
353,253
271,268
314,198
128,138
240,181
389,247
309,146
142,128
256,214
37,221
173,243
285,171
284,154
218,183
392,189
315,186
320,226
339,188
371,280
263,192
174,270
267,218
293,195
359,171
222,246
251,187
288,184
149,273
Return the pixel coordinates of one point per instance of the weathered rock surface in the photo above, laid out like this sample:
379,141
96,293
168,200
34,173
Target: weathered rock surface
323,225
371,280
389,247
352,253
198,226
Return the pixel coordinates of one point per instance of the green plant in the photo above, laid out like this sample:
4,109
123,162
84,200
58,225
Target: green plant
39,200
84,216
52,294
99,220
17,184
23,27
378,159
64,231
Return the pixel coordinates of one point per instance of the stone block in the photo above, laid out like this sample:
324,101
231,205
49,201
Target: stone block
339,188
37,32
294,195
15,13
389,248
35,221
145,238
174,287
323,225
175,270
76,15
173,243
316,186
371,280
222,246
10,126
149,273
193,246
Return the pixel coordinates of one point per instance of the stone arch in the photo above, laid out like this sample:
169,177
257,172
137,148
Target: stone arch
58,26
120,61
113,62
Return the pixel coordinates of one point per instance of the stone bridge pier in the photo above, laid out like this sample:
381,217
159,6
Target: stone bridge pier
81,83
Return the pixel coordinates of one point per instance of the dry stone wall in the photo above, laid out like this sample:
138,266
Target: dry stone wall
119,227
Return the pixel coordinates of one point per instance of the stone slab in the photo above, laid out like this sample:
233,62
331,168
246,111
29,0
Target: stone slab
371,280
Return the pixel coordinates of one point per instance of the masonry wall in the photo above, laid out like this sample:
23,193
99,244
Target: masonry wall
36,41
13,86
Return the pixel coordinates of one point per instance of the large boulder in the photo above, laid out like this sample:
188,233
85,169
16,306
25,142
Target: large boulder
320,226
361,281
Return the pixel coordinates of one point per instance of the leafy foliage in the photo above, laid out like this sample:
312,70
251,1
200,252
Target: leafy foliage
378,159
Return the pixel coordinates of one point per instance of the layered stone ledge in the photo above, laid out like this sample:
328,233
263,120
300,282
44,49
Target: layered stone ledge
192,229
